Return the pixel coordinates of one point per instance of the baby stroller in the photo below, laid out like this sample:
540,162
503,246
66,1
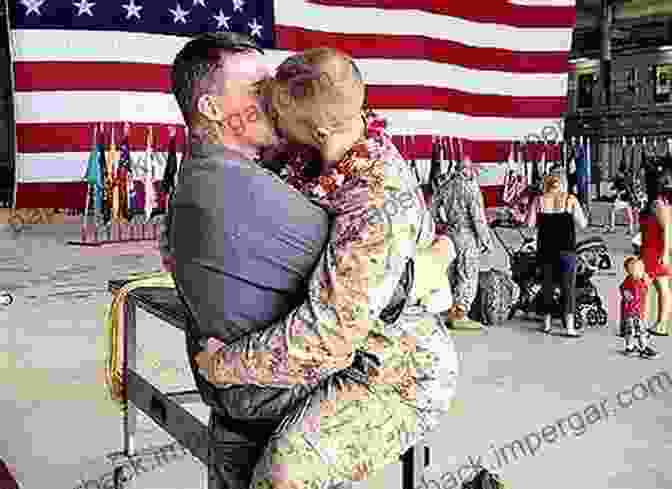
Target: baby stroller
592,255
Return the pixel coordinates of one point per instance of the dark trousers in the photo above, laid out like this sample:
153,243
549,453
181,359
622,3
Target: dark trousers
242,420
560,271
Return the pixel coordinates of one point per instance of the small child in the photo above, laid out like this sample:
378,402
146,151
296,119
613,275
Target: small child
633,293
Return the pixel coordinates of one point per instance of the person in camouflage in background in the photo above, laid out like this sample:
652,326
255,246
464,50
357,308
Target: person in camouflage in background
459,212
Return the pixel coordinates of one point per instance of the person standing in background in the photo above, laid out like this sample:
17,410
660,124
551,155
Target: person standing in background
557,214
459,212
655,248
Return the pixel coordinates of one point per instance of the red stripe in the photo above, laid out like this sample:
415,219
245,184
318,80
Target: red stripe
445,99
60,138
154,78
48,195
420,47
490,11
479,151
53,75
72,75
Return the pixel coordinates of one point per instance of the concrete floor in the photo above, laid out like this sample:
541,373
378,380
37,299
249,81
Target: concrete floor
56,424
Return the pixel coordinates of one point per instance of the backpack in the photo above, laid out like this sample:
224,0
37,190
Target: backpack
496,295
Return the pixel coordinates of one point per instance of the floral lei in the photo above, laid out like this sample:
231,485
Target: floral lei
295,173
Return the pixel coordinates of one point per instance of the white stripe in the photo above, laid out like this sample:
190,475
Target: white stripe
74,107
71,167
389,72
63,167
112,47
347,20
462,126
153,108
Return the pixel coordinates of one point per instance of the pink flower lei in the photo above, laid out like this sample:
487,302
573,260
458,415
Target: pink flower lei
295,171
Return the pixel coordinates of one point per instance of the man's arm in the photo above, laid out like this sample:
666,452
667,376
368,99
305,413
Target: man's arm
319,337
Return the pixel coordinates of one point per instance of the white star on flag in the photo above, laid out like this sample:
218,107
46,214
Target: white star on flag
222,21
132,10
180,15
84,7
238,5
255,29
33,6
199,2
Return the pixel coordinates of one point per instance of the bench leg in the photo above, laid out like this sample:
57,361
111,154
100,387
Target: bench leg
413,464
121,478
130,415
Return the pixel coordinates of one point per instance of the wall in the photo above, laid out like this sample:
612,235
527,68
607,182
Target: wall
631,113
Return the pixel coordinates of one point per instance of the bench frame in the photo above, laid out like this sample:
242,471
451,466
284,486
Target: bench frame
165,408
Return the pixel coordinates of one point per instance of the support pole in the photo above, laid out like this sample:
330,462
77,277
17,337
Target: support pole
606,22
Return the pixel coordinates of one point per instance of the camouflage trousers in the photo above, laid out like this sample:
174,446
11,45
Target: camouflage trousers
463,271
349,432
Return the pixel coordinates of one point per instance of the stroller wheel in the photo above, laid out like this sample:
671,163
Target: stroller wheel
581,317
593,317
605,262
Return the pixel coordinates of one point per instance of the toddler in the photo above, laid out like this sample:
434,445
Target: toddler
633,293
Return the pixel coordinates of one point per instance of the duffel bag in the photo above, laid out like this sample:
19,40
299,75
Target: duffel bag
496,295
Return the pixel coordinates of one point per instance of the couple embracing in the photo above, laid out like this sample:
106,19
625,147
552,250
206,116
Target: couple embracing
319,365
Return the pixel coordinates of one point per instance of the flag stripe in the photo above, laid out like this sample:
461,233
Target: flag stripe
60,137
423,48
375,71
536,13
489,75
487,34
61,167
31,77
70,166
58,45
150,108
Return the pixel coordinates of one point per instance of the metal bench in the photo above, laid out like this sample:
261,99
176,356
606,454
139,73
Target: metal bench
165,408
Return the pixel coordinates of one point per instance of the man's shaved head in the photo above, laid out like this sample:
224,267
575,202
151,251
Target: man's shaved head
200,67
215,79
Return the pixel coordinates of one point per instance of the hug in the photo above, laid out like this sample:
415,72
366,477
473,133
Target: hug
301,282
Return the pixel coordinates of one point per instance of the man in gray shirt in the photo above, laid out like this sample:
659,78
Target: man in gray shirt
263,238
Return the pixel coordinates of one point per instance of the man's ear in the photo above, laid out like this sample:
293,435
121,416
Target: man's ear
208,108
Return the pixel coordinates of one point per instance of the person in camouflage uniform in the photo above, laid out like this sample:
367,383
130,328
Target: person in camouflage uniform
357,424
459,211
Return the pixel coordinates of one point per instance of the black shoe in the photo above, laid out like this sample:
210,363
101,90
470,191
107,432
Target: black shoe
631,351
649,352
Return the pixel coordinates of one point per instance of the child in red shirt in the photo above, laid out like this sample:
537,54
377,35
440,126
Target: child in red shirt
633,294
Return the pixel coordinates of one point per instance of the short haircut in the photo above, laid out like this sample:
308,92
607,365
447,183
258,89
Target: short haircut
198,59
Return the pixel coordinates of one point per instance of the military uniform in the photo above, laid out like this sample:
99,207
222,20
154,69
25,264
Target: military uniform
459,213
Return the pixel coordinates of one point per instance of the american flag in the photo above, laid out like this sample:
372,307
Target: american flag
487,71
